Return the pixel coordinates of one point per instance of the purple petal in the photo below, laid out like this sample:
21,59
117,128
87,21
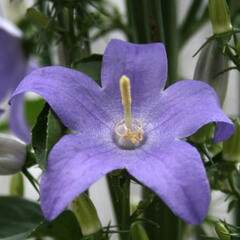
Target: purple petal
74,163
17,121
144,64
184,108
174,170
1,111
13,64
78,101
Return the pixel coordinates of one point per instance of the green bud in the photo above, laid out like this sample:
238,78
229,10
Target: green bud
203,134
12,155
138,232
231,147
220,16
17,185
86,214
210,64
221,230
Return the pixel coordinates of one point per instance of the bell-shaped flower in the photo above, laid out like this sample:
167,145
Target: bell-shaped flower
136,126
13,67
12,155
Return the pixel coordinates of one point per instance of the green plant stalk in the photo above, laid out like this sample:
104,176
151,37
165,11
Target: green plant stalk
171,38
115,196
125,220
138,21
170,226
156,21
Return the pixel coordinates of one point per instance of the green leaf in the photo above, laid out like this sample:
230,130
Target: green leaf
46,132
21,218
37,18
91,66
18,218
65,227
32,109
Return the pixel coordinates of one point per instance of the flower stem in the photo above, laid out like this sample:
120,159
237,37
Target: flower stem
119,187
160,214
125,219
171,38
138,21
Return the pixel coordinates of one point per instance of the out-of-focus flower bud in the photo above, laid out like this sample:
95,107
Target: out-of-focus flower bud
17,185
231,147
221,231
86,215
12,155
138,232
210,64
220,16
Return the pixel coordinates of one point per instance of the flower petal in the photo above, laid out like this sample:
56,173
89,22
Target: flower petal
12,63
17,121
75,97
75,162
144,64
184,108
174,170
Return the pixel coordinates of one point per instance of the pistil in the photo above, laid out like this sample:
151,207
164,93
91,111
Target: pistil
126,100
130,129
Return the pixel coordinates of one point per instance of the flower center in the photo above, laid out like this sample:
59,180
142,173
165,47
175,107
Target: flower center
128,130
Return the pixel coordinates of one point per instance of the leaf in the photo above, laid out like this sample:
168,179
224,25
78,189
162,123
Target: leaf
37,18
32,109
21,218
64,227
18,218
91,66
46,132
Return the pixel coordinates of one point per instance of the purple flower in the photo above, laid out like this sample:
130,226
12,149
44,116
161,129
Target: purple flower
154,155
13,67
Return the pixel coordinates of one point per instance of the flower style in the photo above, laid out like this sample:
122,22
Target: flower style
13,67
150,150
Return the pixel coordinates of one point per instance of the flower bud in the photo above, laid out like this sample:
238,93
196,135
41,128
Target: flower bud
220,16
138,232
86,215
17,185
12,155
209,68
221,230
231,147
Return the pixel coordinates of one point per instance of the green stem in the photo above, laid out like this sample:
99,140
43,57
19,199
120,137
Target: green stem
125,219
138,21
171,36
119,187
159,213
115,193
156,21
